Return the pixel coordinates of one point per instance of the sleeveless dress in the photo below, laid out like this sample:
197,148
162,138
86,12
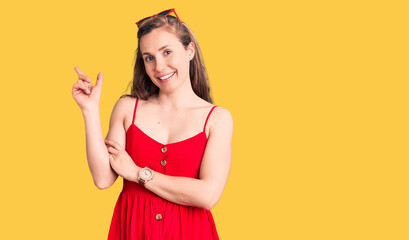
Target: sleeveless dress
141,214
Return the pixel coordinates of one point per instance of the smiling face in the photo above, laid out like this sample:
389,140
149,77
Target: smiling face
166,59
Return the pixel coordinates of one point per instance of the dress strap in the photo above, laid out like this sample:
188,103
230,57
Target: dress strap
204,128
134,111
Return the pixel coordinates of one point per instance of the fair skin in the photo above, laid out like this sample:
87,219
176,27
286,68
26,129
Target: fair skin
175,114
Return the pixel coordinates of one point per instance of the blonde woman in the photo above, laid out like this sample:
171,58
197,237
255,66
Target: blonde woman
168,142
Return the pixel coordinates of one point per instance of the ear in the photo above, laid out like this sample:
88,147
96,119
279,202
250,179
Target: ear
190,51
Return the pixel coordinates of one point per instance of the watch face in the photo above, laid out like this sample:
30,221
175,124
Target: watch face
145,174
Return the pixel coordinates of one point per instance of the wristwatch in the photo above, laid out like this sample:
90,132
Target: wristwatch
145,175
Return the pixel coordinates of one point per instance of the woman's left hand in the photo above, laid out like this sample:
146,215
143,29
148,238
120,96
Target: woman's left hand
121,162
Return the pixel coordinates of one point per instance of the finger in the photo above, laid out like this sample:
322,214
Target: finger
85,78
87,84
82,83
112,150
79,86
116,145
109,146
81,75
78,71
111,159
99,80
83,86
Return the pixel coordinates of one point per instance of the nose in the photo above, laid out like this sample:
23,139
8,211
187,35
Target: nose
160,65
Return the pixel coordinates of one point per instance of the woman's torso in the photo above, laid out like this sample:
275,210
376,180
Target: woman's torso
139,213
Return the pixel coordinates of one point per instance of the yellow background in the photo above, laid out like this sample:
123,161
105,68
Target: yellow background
318,91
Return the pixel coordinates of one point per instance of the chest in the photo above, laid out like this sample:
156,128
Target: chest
169,127
181,158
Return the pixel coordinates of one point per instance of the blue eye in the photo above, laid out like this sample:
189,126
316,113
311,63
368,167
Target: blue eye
148,59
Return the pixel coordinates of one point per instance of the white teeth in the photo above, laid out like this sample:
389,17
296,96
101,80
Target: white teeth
166,77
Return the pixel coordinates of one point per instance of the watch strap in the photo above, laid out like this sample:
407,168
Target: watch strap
141,182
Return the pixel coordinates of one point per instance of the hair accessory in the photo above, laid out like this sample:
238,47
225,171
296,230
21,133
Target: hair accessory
163,13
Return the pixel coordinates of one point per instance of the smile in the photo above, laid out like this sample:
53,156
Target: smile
166,77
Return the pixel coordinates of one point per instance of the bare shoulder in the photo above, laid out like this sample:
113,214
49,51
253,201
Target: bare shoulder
221,119
122,107
126,99
124,103
222,114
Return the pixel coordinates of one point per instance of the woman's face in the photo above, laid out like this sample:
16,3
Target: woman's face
166,59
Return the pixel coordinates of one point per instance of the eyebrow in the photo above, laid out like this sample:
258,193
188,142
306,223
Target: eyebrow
158,49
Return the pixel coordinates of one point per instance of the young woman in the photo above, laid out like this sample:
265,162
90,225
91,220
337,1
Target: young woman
168,142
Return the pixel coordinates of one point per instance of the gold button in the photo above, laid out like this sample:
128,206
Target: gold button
164,149
163,162
158,217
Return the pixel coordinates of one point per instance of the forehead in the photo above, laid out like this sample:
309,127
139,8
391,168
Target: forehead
158,38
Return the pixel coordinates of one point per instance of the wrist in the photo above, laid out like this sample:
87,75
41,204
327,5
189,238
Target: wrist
90,110
135,174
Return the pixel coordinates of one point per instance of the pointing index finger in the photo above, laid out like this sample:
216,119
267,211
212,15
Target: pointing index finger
78,71
81,75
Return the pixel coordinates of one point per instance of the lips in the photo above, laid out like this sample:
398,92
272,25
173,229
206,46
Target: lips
166,78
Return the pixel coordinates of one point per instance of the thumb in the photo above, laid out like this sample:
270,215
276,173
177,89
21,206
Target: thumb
99,80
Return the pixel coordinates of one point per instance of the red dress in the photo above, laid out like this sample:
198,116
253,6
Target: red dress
141,214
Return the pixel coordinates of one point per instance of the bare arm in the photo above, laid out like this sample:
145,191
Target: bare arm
87,96
97,154
206,191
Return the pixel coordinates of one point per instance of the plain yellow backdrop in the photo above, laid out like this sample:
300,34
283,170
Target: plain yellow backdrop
318,91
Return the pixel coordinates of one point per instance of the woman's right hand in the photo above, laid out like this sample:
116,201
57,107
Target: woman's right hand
86,95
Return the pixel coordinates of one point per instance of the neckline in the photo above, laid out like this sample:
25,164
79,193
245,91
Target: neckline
162,144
